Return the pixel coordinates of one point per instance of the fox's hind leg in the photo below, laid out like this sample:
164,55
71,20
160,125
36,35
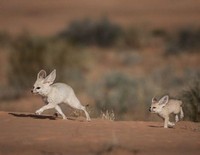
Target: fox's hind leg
86,114
176,118
58,109
181,113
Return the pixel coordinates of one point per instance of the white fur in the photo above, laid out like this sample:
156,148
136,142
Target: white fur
55,93
164,107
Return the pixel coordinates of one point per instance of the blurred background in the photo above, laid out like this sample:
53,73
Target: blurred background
116,55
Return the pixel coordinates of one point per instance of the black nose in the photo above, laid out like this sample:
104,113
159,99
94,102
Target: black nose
150,109
32,91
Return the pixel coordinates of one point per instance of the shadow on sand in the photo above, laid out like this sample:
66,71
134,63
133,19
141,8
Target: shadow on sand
50,117
158,126
155,126
33,116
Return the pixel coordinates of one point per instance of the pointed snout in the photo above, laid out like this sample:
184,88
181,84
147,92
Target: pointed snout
32,91
150,109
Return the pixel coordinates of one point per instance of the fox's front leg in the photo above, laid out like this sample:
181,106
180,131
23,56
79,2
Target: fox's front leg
166,121
48,106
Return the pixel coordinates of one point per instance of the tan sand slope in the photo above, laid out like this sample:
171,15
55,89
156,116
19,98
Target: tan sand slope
24,134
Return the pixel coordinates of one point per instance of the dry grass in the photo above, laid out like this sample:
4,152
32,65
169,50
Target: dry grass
108,115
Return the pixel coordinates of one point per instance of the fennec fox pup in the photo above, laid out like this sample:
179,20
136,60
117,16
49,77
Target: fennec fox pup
164,107
55,93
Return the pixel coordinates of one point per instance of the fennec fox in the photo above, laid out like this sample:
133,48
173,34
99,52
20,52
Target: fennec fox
164,107
54,94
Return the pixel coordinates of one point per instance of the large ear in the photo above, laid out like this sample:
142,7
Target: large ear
154,100
164,100
51,77
42,74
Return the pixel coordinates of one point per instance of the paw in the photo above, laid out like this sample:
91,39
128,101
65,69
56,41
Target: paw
171,124
88,119
38,112
64,118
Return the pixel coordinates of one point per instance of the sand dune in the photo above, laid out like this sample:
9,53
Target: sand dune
26,134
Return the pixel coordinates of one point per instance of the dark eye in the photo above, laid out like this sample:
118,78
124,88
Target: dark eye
38,88
154,107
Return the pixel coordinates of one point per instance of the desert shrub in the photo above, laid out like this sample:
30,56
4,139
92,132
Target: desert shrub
191,99
26,59
131,38
188,39
159,33
118,93
184,40
87,32
5,38
67,59
167,78
172,49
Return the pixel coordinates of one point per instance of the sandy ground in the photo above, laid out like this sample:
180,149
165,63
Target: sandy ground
26,133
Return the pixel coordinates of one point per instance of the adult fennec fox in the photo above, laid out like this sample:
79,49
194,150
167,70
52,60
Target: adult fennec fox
55,94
